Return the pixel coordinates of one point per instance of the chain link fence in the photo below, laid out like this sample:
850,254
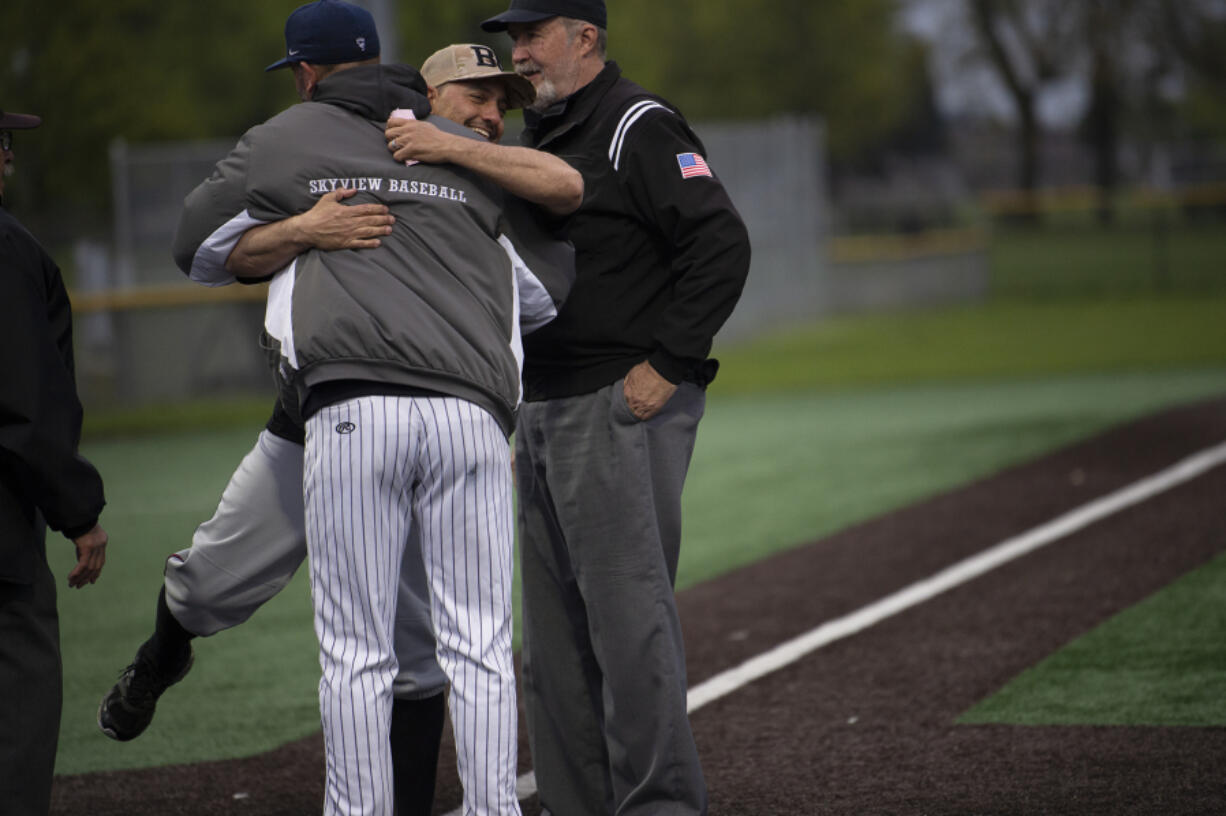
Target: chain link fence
146,334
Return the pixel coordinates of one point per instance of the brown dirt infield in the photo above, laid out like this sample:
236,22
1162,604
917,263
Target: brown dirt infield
866,725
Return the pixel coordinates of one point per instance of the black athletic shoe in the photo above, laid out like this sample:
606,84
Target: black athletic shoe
127,709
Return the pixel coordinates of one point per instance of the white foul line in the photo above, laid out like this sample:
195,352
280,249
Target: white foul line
959,573
952,576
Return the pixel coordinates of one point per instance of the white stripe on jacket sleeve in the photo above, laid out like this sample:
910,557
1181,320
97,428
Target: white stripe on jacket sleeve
535,303
209,262
632,115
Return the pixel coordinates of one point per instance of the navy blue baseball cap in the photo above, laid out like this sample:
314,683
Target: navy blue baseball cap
530,11
328,32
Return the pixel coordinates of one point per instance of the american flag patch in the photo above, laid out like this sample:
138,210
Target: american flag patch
692,165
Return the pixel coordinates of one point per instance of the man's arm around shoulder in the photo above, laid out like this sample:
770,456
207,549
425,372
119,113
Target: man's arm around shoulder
329,225
533,175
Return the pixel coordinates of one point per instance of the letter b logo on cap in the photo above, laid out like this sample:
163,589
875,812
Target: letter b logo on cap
486,57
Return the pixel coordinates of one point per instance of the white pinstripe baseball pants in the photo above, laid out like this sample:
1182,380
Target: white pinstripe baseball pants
374,466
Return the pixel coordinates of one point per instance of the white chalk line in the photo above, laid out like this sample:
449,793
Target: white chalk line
973,567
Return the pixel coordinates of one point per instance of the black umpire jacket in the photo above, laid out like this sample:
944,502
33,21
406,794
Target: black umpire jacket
44,481
661,256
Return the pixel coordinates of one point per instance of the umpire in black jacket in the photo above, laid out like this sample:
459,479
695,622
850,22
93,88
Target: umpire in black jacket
44,483
614,390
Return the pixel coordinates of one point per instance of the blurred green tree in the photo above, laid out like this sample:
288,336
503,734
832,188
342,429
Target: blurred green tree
140,70
1139,50
1029,42
1152,71
150,71
1197,33
423,28
846,60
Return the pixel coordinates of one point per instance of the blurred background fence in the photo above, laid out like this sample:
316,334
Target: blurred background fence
1145,241
148,335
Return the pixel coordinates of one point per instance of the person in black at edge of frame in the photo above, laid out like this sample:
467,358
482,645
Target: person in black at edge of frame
44,482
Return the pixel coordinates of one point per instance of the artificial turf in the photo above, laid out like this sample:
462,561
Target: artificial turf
806,432
1160,662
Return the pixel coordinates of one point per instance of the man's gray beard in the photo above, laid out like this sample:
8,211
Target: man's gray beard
9,170
546,95
546,91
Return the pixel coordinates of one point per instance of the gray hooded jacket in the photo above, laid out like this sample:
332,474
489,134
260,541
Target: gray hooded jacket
437,307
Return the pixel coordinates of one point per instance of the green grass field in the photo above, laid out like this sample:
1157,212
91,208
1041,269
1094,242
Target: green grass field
806,432
1146,252
1158,663
1005,339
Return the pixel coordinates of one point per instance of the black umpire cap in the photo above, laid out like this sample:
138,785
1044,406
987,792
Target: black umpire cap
529,11
18,121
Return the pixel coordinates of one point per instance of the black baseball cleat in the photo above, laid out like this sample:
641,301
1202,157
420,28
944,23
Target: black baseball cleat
127,709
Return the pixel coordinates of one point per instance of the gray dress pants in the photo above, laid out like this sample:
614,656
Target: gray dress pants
31,693
604,664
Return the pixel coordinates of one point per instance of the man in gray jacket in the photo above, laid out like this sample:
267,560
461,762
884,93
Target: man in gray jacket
255,542
404,363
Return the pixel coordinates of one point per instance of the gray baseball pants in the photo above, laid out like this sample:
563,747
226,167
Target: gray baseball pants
255,542
603,659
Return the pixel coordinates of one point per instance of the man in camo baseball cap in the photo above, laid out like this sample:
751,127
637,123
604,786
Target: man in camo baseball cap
467,62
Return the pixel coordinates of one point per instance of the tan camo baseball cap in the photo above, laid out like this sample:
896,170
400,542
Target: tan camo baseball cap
464,61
